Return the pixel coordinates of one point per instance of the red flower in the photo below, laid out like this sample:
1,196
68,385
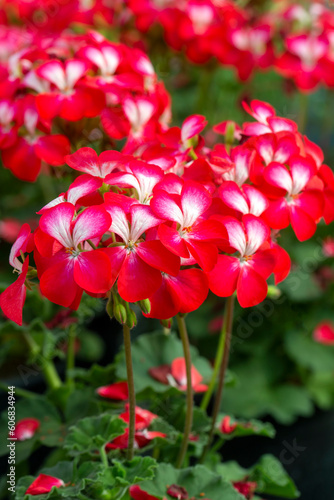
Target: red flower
44,484
118,391
137,494
226,427
302,207
26,428
194,237
72,266
248,272
246,488
175,375
324,333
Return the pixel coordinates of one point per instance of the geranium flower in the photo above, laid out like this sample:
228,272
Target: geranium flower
324,333
302,207
143,419
118,391
190,235
26,428
72,266
248,272
137,263
44,484
225,425
175,375
267,121
246,488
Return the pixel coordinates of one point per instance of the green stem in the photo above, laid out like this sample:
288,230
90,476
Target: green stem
190,400
219,356
103,456
50,374
222,372
131,386
47,366
70,362
20,392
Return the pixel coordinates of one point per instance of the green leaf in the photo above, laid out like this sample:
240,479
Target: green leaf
155,349
308,353
138,469
91,433
247,428
272,479
199,482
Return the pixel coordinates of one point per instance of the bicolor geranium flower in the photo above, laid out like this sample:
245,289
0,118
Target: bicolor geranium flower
12,299
44,484
175,375
26,428
189,235
244,200
72,265
301,207
70,98
246,273
137,263
267,121
324,333
118,391
138,175
143,436
231,167
25,155
86,160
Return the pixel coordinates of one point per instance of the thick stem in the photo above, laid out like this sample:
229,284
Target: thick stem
47,366
131,386
222,372
103,456
190,400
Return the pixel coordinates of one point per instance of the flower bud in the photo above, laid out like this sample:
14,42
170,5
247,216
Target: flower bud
166,323
145,306
273,292
110,307
131,318
120,314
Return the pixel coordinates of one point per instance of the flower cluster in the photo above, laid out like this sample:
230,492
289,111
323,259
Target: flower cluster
295,39
60,90
174,219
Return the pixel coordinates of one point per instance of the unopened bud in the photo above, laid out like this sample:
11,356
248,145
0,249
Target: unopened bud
131,320
120,314
166,323
110,307
145,306
229,134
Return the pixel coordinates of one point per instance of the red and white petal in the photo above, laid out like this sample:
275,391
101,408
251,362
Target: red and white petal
164,206
19,245
302,170
232,196
257,233
93,222
120,223
258,203
57,221
189,288
236,234
192,126
195,200
142,219
278,175
53,72
85,160
171,239
223,278
74,70
82,186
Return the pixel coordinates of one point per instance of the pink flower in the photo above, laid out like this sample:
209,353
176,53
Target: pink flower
225,425
44,484
324,333
267,121
175,375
